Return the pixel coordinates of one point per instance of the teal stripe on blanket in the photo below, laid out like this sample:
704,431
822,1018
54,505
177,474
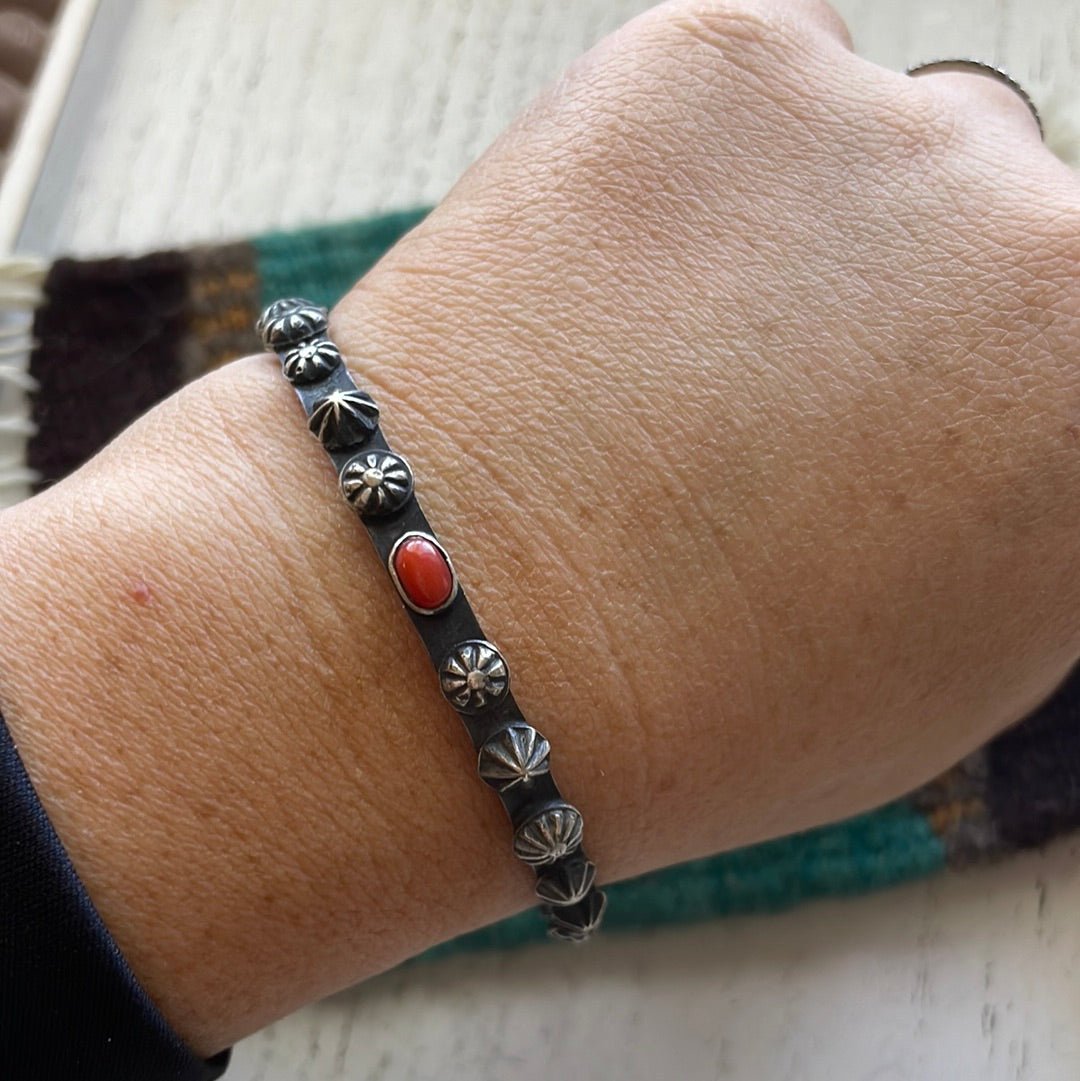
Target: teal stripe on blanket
323,263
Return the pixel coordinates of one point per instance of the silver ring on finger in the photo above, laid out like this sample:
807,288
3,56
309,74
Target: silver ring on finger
964,64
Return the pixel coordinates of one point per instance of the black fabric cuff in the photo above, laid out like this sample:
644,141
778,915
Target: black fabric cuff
71,1009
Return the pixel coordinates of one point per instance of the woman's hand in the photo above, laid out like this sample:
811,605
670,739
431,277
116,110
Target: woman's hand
744,374
739,379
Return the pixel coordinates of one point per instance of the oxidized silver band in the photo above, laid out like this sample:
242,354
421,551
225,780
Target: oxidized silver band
965,65
512,756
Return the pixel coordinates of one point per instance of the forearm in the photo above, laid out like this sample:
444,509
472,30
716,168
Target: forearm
241,741
234,729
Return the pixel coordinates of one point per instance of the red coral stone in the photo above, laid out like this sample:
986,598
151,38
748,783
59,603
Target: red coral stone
423,573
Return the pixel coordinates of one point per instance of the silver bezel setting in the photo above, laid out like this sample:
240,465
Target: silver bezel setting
401,589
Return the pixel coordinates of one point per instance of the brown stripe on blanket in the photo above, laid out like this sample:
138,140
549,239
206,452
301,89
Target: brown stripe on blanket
108,340
224,287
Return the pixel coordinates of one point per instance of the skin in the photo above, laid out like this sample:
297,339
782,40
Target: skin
739,379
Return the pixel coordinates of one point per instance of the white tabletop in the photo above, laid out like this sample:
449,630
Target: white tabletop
172,136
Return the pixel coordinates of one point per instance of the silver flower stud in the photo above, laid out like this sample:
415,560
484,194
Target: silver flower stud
287,322
310,361
376,483
473,675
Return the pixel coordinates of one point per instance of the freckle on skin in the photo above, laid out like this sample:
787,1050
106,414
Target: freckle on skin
140,593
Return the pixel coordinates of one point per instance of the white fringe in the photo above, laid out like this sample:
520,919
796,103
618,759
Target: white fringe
21,280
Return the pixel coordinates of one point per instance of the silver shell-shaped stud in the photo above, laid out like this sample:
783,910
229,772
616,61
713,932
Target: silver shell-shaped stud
289,321
549,835
310,361
376,483
344,418
473,675
514,755
566,882
577,923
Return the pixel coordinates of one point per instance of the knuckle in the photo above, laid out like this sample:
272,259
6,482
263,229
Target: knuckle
725,24
915,125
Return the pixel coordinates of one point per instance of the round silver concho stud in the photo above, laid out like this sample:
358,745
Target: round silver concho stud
965,65
551,833
290,321
514,755
473,675
376,483
566,883
343,418
576,923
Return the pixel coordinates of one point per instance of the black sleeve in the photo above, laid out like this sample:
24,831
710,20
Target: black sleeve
71,1009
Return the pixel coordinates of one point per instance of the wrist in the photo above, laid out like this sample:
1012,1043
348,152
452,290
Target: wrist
229,719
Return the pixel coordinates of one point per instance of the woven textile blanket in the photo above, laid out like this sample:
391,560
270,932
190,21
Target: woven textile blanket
113,337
